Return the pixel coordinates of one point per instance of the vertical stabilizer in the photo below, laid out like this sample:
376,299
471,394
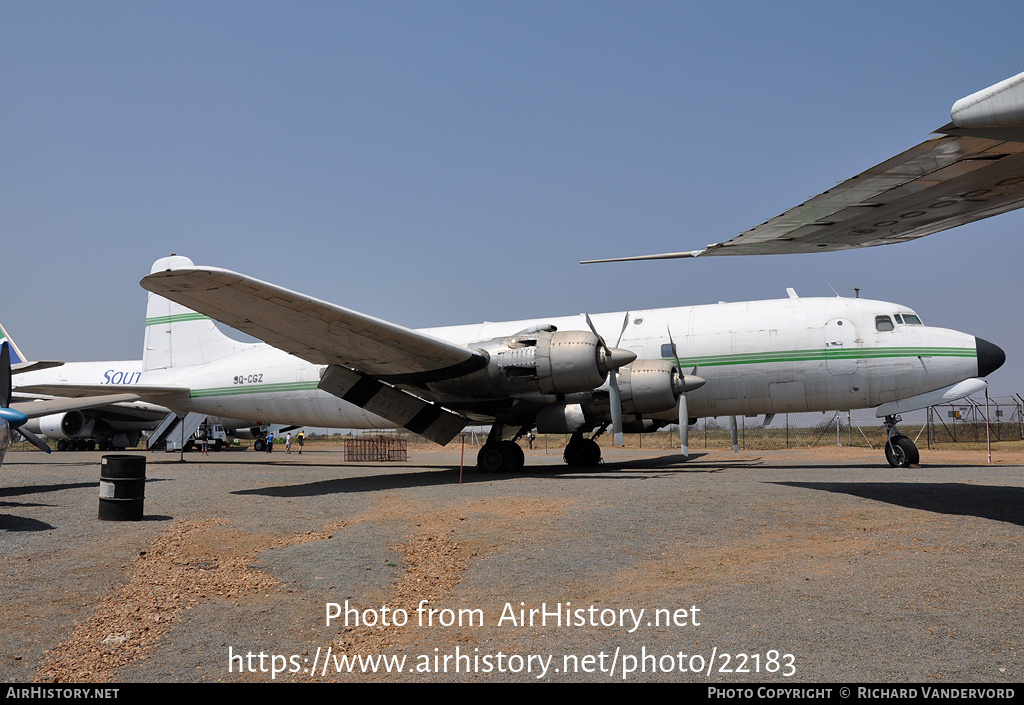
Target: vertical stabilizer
16,355
179,337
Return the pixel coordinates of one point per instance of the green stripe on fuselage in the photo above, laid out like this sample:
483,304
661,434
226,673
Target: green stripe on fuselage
252,389
176,318
822,355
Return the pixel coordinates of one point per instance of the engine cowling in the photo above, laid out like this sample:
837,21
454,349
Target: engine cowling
539,360
653,386
71,424
648,387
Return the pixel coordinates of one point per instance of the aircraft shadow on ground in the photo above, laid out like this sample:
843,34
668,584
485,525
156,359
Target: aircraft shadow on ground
448,475
41,489
13,523
994,502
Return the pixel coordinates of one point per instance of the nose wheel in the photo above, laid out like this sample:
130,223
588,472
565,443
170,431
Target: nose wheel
900,451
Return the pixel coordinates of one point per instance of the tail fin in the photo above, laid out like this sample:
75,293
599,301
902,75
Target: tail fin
15,353
179,337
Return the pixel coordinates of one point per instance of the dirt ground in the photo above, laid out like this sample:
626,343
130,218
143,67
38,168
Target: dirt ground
799,565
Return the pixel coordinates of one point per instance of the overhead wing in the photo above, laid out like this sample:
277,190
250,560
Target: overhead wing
973,169
315,330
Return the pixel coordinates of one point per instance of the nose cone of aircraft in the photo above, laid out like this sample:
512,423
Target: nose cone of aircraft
990,357
617,359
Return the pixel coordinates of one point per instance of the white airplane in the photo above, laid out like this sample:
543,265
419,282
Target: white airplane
329,366
14,416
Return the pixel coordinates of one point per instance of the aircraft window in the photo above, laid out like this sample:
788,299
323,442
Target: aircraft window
883,323
911,320
668,350
899,319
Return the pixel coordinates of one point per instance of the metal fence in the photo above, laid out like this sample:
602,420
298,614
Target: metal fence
376,449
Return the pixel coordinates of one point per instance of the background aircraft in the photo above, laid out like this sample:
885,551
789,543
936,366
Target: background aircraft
14,416
113,426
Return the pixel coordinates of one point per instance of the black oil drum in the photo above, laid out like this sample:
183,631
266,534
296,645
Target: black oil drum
122,487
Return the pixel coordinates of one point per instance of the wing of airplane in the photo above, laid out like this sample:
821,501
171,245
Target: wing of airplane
365,356
315,330
80,391
45,407
972,169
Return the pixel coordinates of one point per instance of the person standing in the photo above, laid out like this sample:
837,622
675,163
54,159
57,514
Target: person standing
301,438
270,441
288,442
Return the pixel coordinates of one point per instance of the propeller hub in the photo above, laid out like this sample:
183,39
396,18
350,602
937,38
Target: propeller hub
13,417
613,358
687,383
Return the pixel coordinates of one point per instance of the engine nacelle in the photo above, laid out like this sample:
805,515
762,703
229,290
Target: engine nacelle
71,424
540,360
648,387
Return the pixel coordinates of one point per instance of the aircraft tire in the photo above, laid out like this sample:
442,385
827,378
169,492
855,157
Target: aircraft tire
514,455
582,453
260,445
902,452
492,458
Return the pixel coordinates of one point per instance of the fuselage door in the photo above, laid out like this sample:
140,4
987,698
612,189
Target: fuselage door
841,348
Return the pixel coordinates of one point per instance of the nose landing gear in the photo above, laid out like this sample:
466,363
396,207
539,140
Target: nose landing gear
900,451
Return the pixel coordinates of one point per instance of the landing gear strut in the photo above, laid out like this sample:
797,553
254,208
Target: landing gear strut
497,455
900,451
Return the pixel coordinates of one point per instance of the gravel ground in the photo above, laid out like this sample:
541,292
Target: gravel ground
826,564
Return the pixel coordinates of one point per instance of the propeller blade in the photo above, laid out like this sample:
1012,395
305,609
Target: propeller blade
616,404
5,375
33,439
593,329
625,322
684,427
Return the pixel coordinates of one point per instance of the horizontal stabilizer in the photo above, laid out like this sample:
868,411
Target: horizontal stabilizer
406,410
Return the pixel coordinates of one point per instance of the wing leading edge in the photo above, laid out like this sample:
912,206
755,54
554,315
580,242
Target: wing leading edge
972,169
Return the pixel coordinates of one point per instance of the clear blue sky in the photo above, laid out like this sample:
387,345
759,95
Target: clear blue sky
436,163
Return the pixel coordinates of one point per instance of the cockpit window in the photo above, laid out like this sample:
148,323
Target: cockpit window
883,323
899,319
911,320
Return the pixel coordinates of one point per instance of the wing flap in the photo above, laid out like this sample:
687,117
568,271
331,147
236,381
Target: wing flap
406,410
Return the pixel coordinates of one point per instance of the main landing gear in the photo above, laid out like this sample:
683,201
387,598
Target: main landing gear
900,451
582,452
497,455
